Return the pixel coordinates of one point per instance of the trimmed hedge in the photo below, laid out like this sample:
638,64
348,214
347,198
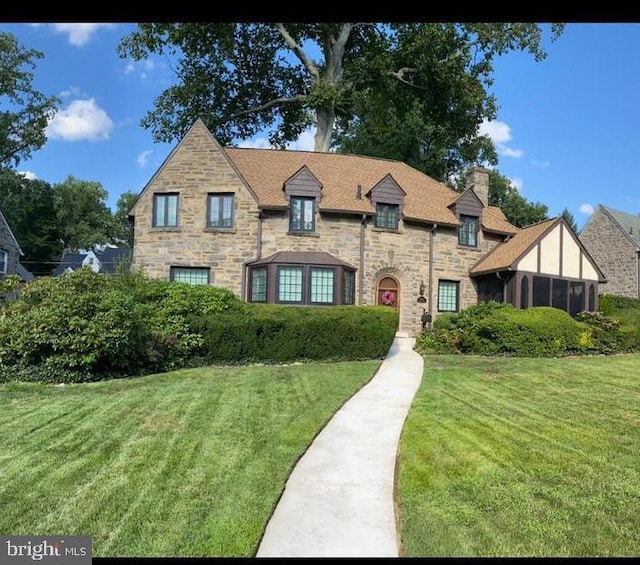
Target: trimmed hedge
493,328
280,334
87,326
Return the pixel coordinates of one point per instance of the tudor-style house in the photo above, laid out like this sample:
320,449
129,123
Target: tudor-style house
309,228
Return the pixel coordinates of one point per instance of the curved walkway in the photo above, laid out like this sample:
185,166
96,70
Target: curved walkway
339,499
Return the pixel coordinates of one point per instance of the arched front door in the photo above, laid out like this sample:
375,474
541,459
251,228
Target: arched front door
388,292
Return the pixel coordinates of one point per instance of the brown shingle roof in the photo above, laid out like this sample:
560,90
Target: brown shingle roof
266,170
504,255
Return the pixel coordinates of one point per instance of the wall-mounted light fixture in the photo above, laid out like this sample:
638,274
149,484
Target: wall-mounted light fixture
422,288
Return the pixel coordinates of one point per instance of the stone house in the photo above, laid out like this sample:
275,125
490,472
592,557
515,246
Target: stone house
302,227
613,240
10,251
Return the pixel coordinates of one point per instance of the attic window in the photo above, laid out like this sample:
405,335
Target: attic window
468,231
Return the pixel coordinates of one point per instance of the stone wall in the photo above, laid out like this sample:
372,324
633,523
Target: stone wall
613,252
8,244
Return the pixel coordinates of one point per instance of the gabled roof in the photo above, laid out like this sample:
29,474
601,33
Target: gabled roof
629,224
111,257
3,219
504,255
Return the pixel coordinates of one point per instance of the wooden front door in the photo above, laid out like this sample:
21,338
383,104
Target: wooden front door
388,293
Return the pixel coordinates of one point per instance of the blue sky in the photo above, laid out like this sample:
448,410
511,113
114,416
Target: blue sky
567,127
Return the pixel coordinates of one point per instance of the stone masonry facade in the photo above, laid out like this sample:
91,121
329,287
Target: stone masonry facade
615,253
198,167
8,245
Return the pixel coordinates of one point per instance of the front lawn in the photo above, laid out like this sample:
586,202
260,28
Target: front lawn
185,464
522,457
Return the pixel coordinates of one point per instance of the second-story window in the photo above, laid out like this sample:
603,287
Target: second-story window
220,211
468,231
4,261
302,218
165,210
386,216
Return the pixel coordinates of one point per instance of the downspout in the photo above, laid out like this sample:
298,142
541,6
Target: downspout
361,265
243,282
432,234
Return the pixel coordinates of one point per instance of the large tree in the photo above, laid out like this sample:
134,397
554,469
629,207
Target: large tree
244,78
83,217
123,226
28,207
517,209
24,111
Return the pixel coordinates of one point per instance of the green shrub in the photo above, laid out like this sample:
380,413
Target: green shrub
278,334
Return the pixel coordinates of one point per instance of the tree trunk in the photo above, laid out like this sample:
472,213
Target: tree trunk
324,129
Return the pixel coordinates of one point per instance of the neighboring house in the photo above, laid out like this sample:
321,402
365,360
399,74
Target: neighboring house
302,227
613,240
101,260
10,251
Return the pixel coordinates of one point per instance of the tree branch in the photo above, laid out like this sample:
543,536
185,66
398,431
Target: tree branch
297,50
266,106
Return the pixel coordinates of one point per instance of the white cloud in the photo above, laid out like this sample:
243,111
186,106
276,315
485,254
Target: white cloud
81,120
517,153
28,175
145,67
143,158
586,209
516,183
542,164
500,134
79,34
304,143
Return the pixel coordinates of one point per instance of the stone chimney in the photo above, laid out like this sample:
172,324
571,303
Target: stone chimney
478,180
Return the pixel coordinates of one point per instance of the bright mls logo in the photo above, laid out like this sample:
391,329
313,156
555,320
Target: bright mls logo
72,550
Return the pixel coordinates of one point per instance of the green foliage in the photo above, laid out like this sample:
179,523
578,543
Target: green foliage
413,91
277,334
25,110
517,209
83,217
27,205
492,328
87,326
123,228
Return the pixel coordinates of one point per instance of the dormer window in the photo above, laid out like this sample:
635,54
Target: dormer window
387,197
386,216
302,216
468,231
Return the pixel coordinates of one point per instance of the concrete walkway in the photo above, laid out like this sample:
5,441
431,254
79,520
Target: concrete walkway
339,499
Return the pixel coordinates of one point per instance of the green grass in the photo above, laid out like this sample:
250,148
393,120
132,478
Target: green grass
184,464
522,457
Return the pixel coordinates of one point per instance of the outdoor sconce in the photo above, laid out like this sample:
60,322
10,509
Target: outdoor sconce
421,298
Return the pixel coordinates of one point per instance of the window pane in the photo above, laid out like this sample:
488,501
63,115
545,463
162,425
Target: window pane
158,220
386,216
259,285
296,214
322,285
290,284
308,215
172,210
348,287
4,259
468,231
227,211
559,291
214,211
448,296
190,275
